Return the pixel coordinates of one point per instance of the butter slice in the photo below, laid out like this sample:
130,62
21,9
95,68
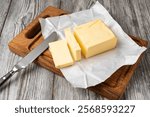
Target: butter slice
94,37
73,45
61,54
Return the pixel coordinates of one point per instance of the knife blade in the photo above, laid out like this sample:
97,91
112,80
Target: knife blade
29,58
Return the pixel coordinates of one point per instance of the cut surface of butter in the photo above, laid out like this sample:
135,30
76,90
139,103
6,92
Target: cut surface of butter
73,45
94,37
61,54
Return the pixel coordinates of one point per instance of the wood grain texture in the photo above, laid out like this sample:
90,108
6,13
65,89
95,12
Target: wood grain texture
31,36
19,15
4,8
133,16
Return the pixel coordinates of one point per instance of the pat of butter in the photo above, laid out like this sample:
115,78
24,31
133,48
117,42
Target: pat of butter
61,54
94,37
73,45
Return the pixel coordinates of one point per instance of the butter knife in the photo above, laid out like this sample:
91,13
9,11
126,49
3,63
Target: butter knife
29,58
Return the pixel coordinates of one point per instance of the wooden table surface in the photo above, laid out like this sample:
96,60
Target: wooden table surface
37,83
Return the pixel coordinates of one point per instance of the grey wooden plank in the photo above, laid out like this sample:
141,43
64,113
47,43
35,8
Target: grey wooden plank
4,8
38,83
64,91
133,16
139,87
34,82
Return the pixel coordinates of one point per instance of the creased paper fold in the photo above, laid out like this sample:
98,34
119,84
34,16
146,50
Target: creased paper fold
94,70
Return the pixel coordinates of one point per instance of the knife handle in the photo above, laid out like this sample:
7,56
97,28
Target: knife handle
6,77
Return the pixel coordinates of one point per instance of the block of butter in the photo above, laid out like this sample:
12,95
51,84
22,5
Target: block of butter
60,54
94,37
73,45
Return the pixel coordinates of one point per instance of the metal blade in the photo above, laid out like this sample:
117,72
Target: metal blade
29,58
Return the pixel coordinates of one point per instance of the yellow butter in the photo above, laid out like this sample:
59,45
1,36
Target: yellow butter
60,54
94,37
73,45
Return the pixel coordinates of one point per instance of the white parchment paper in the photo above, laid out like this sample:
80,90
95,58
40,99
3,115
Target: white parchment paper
94,70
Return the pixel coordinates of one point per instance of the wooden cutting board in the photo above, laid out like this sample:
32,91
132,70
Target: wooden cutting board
30,37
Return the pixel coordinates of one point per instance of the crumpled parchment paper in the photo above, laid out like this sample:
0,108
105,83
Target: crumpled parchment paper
94,70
